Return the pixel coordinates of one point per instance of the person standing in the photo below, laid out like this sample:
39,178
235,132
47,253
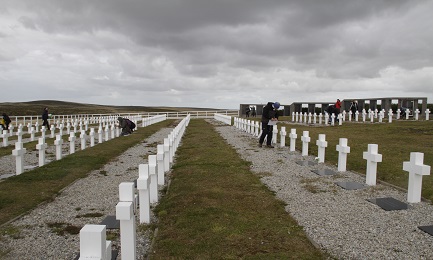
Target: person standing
45,117
6,120
354,107
269,114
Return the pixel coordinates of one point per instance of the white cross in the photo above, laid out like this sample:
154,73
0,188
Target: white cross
143,183
71,143
19,152
58,143
372,158
5,137
305,140
390,116
416,113
292,137
321,145
83,139
283,136
41,146
343,150
153,179
427,114
416,170
398,113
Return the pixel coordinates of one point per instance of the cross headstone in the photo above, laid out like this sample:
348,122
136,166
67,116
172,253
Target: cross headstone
292,137
53,130
314,118
321,146
58,143
356,116
83,139
309,118
93,243
416,169
166,154
153,179
283,136
427,114
160,163
20,135
320,118
332,119
343,115
92,137
32,134
407,113
293,116
41,146
372,158
326,118
72,139
5,137
296,117
100,140
143,187
107,136
19,152
125,214
417,113
11,130
390,116
340,119
343,150
363,115
350,115
305,140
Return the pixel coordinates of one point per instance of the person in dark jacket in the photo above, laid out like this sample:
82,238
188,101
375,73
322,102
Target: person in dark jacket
269,114
123,123
45,117
6,120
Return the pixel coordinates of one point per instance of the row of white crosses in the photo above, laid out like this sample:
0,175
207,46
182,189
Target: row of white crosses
314,118
253,127
415,166
110,133
93,244
77,125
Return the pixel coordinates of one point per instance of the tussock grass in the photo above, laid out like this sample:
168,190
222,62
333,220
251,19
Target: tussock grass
19,194
217,209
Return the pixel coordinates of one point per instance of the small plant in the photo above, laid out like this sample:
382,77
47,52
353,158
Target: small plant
60,228
11,231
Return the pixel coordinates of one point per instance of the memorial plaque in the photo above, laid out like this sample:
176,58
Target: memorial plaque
324,172
114,254
306,163
111,222
350,185
389,203
427,229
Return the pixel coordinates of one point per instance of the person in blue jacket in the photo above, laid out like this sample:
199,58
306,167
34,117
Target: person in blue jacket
269,114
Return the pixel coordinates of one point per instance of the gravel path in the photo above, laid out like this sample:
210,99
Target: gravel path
340,221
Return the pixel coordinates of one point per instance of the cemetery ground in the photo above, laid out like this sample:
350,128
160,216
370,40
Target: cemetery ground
189,214
395,140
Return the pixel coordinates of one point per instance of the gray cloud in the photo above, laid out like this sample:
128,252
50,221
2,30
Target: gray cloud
221,52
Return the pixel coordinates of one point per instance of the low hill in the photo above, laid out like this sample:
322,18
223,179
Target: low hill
67,108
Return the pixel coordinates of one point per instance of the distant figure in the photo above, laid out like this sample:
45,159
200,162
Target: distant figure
247,112
45,117
269,114
253,112
354,107
6,121
126,125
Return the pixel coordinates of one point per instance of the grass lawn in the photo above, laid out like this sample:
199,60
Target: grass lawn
395,141
216,208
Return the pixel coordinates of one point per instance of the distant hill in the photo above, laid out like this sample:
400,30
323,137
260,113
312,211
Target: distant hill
67,108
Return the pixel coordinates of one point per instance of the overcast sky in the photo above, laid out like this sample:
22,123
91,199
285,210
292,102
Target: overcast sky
214,53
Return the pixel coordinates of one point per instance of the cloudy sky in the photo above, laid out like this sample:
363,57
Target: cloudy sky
217,54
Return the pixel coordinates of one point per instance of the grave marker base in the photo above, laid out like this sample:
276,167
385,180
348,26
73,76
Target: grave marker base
111,222
389,203
4,176
427,229
350,185
114,254
324,172
306,163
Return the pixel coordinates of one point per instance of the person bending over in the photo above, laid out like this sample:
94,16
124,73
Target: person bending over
269,114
